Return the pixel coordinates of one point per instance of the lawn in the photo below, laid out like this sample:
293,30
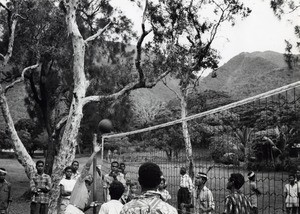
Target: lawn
270,183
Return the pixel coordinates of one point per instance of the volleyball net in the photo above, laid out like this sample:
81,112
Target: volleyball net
259,134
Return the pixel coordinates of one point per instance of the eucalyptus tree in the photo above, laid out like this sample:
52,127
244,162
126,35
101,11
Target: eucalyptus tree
109,29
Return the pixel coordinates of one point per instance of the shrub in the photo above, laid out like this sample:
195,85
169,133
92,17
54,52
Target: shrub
222,145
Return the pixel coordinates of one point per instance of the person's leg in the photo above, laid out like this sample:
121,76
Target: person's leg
294,210
32,208
179,201
44,209
288,210
255,210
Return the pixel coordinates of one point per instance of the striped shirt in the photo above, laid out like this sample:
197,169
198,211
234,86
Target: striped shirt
237,203
40,181
186,182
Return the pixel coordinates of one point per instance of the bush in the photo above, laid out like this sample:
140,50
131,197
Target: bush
222,145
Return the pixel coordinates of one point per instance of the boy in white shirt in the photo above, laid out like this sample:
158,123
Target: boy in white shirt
114,206
66,186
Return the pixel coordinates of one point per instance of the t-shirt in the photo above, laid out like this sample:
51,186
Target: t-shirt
68,186
111,207
292,195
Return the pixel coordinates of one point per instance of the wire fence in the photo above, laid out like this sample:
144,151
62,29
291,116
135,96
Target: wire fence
260,134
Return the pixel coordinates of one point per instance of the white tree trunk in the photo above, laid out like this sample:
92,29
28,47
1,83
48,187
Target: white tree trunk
68,143
186,135
22,155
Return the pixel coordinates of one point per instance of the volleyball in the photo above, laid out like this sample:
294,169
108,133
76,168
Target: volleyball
105,126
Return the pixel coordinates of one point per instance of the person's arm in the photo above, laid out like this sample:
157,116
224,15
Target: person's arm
210,202
47,185
228,206
93,204
285,191
87,166
63,192
33,188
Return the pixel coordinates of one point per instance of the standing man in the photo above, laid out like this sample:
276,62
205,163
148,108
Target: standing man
236,202
66,187
80,194
5,192
185,191
254,192
149,201
40,185
76,173
203,197
114,174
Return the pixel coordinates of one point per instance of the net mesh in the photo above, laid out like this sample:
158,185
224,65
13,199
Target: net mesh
259,134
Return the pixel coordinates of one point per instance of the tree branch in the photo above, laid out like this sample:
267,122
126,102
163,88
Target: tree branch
99,32
126,89
139,47
59,126
175,92
34,90
21,78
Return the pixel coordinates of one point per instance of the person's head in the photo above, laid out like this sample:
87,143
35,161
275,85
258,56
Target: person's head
68,172
149,176
40,166
291,178
89,180
75,166
3,173
122,167
251,176
162,184
114,166
133,187
200,179
182,170
236,181
116,190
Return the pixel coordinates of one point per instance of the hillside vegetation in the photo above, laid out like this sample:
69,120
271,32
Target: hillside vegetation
245,75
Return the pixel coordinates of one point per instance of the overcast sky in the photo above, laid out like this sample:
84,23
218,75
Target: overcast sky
260,31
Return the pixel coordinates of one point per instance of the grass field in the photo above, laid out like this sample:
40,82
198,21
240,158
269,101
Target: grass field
270,183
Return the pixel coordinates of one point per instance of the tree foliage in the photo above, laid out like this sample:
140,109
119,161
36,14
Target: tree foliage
283,8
